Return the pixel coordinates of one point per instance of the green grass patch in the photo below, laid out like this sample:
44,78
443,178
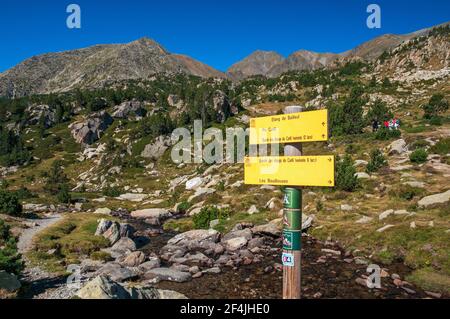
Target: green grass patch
430,279
442,147
73,238
179,225
140,145
101,256
406,192
417,129
203,219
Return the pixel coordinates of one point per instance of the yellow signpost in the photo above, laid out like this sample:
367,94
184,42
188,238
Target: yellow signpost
290,128
290,170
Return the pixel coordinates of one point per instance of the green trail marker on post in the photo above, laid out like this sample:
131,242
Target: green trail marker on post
292,198
292,219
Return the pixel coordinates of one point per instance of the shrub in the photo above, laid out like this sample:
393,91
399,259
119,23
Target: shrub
379,111
406,192
221,186
336,120
156,125
319,205
419,144
345,174
419,156
442,147
63,195
4,184
377,161
348,119
352,149
24,193
435,106
12,149
208,214
10,260
386,83
353,112
55,178
9,203
384,134
436,121
111,192
352,68
183,207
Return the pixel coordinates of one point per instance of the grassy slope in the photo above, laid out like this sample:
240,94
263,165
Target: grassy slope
397,243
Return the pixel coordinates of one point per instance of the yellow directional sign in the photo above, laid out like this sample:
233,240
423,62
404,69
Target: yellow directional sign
290,170
290,128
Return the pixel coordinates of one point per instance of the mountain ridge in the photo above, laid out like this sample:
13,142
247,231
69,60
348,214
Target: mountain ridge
143,58
93,66
309,60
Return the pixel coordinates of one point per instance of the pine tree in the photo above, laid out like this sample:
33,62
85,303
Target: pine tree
353,119
379,111
56,178
435,106
346,179
42,126
10,259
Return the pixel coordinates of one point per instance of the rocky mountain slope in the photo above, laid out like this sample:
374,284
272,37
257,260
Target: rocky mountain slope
309,60
93,67
259,62
419,58
371,50
302,60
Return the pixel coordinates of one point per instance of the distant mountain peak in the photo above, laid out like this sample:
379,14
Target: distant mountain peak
145,41
94,66
259,62
148,43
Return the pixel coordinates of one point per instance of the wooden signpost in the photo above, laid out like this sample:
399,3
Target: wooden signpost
292,170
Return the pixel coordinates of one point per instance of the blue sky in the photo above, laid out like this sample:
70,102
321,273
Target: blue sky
215,32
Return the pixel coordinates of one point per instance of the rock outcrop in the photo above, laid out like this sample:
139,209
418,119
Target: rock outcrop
436,199
398,147
90,130
114,231
221,106
129,109
103,288
157,149
38,113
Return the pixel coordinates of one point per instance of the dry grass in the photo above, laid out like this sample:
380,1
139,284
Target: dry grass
72,237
